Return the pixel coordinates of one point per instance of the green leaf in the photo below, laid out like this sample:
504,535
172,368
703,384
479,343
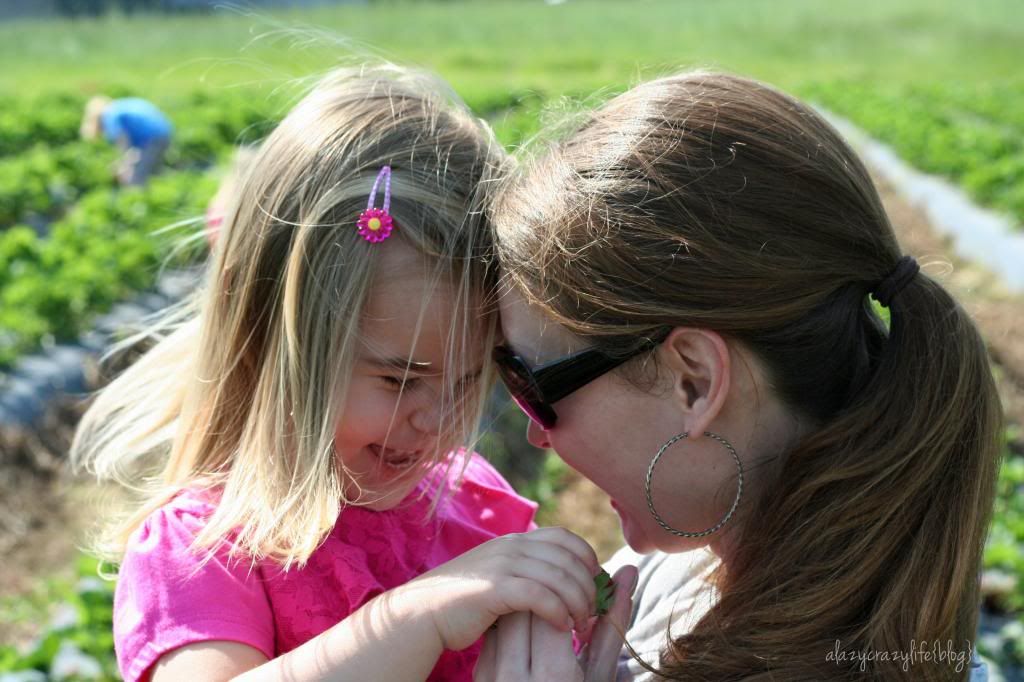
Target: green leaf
605,589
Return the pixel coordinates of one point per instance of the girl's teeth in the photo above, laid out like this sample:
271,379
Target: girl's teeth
400,463
394,458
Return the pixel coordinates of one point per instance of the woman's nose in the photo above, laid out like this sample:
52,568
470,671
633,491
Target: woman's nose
537,436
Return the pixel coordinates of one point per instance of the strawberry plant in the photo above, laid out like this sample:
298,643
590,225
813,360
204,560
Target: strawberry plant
106,248
972,135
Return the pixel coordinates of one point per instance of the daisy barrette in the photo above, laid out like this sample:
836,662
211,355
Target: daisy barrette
375,224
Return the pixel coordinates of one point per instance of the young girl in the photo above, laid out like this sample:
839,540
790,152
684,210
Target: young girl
294,425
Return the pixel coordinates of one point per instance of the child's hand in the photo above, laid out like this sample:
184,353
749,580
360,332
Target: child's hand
523,648
549,572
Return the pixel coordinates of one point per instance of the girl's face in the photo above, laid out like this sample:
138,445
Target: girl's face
392,416
609,431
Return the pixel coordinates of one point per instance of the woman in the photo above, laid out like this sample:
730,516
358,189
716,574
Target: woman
806,489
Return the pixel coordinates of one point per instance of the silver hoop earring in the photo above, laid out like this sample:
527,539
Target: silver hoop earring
735,502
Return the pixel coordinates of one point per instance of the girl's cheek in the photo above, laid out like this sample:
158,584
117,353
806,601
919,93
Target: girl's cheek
355,429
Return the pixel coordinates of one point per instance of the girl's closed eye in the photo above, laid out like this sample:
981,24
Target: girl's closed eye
400,383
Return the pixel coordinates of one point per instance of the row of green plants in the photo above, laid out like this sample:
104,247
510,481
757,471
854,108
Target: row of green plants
200,116
1004,551
78,640
109,246
51,119
44,168
205,120
104,248
973,135
42,180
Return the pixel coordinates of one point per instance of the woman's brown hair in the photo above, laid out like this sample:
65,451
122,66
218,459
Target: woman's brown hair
714,201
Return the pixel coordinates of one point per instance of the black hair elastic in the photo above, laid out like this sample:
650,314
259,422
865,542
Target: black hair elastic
905,270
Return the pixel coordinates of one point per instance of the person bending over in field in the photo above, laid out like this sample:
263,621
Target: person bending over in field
137,127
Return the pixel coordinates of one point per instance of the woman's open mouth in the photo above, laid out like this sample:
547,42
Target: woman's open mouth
395,459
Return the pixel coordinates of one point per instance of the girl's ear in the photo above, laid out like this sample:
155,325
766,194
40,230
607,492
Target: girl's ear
698,363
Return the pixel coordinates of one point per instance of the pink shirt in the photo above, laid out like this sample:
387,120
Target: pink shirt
159,607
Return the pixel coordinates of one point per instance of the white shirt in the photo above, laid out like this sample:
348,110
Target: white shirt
670,588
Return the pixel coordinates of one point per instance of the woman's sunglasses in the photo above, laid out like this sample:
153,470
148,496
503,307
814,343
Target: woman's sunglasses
536,390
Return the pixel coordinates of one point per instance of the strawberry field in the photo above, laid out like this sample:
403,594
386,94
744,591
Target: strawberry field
937,81
972,133
71,243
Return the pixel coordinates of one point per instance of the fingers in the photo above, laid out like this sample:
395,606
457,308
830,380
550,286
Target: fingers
567,578
550,557
606,641
525,647
531,595
513,646
551,654
484,670
570,541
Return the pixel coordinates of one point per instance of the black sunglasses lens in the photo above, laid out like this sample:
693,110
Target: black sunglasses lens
521,386
538,411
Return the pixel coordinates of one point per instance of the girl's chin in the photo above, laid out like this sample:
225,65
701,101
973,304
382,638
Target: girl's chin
382,493
391,499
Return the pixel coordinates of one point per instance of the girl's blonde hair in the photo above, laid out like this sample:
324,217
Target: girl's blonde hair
713,201
245,384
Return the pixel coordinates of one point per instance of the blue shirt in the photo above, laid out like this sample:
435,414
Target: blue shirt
139,121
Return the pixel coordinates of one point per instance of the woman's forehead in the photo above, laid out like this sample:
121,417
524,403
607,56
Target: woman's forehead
530,333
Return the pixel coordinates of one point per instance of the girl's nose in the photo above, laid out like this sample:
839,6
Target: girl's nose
426,418
537,436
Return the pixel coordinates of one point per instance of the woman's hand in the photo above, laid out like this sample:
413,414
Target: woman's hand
548,572
525,648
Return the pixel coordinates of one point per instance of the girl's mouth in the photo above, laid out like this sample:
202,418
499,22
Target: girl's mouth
394,459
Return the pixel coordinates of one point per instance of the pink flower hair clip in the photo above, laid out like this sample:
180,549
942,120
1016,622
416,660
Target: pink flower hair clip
375,224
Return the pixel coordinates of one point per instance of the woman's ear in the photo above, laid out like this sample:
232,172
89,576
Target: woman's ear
698,363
